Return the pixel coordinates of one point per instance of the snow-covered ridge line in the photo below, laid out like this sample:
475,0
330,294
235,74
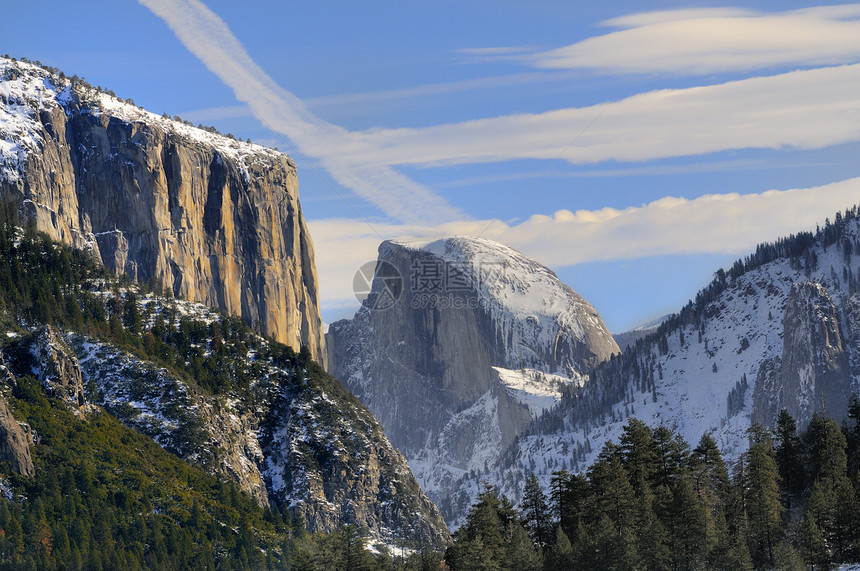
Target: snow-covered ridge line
718,370
524,299
26,89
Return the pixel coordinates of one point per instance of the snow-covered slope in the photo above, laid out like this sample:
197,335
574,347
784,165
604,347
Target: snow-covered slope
779,330
461,344
628,338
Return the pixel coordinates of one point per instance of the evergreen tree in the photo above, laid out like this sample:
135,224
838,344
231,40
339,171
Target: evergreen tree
569,495
482,541
520,554
853,436
561,555
638,454
832,511
789,458
612,495
671,454
652,538
536,517
763,508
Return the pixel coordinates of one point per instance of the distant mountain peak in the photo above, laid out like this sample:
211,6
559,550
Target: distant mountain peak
479,342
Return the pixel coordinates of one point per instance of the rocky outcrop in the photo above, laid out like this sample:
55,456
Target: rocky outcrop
15,439
767,394
295,439
422,351
329,460
14,443
815,374
207,218
55,364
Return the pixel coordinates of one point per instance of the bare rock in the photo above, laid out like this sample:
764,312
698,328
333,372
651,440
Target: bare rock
209,218
14,443
56,365
814,372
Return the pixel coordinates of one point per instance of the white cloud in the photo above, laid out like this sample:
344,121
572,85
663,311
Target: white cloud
706,40
801,109
207,36
435,89
717,224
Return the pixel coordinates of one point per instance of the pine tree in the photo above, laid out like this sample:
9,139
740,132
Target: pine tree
763,508
853,436
482,542
651,538
789,458
536,518
671,454
687,523
638,455
815,546
833,507
561,555
569,496
520,554
612,493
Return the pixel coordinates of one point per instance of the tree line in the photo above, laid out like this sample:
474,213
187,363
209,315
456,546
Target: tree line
651,501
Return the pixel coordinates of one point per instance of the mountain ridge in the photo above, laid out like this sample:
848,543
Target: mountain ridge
204,216
457,357
719,364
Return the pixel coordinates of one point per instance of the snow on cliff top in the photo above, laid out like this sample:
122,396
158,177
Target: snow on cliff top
509,279
26,88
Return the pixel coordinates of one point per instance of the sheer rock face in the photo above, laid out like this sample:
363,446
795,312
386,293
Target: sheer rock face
211,219
443,323
815,373
14,443
15,438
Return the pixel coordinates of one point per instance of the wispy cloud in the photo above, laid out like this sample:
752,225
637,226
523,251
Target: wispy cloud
670,225
207,36
802,109
432,89
639,170
706,40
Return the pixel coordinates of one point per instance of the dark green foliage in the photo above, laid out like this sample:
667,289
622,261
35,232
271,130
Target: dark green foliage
536,517
831,528
492,538
761,489
789,458
651,503
107,497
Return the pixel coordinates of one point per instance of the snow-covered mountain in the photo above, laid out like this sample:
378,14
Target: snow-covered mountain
780,329
211,218
462,344
629,338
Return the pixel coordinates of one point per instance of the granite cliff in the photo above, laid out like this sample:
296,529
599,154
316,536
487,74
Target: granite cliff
460,345
206,217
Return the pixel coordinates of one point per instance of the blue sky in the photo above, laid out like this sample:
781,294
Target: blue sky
632,147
